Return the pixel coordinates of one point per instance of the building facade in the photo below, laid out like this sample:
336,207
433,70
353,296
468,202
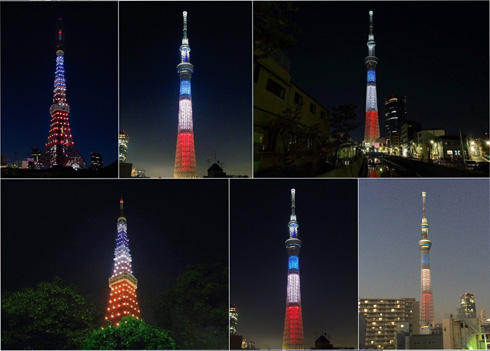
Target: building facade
395,116
293,338
60,149
382,318
185,155
290,126
123,146
123,284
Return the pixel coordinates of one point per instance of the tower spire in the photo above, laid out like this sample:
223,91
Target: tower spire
427,301
293,337
371,131
60,149
185,156
123,284
371,23
184,14
121,207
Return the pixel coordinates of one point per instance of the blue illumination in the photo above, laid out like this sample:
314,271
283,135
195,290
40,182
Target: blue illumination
293,262
371,77
185,87
425,258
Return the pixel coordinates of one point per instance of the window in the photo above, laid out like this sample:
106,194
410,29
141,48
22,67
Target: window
312,108
275,88
256,73
298,99
269,140
322,114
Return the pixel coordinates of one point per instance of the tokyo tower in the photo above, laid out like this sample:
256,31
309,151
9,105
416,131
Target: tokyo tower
185,156
123,284
371,131
60,149
293,326
427,305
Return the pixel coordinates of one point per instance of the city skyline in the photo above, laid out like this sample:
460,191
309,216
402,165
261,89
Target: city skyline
457,212
418,58
221,94
30,33
260,211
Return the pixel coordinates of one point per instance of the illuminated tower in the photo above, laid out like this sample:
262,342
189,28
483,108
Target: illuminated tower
185,156
293,325
233,319
371,131
427,302
123,284
60,150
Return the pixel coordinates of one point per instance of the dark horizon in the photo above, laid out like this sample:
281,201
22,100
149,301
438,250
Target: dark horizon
29,40
440,64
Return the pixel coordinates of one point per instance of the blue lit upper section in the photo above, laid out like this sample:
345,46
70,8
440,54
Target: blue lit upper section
371,76
185,87
293,262
425,258
122,256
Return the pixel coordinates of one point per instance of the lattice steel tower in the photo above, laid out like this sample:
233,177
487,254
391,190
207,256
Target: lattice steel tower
371,131
427,302
293,325
60,150
123,284
185,156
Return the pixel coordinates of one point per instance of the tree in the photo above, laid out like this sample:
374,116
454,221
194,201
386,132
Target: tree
196,309
342,121
51,316
131,334
273,29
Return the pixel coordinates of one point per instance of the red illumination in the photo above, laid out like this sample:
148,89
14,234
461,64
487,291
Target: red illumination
371,131
185,158
122,302
293,328
427,310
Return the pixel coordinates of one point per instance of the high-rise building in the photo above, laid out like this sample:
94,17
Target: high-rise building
395,116
185,156
427,303
293,326
371,131
123,146
233,319
96,161
382,319
60,149
122,300
468,307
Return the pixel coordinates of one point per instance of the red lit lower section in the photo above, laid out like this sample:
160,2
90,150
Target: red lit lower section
122,302
371,131
293,329
427,309
185,157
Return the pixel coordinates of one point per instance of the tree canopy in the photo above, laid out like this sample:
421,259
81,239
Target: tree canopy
131,334
51,316
196,308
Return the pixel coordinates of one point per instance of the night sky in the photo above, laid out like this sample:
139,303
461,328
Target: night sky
327,215
435,53
390,215
29,39
220,37
67,228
